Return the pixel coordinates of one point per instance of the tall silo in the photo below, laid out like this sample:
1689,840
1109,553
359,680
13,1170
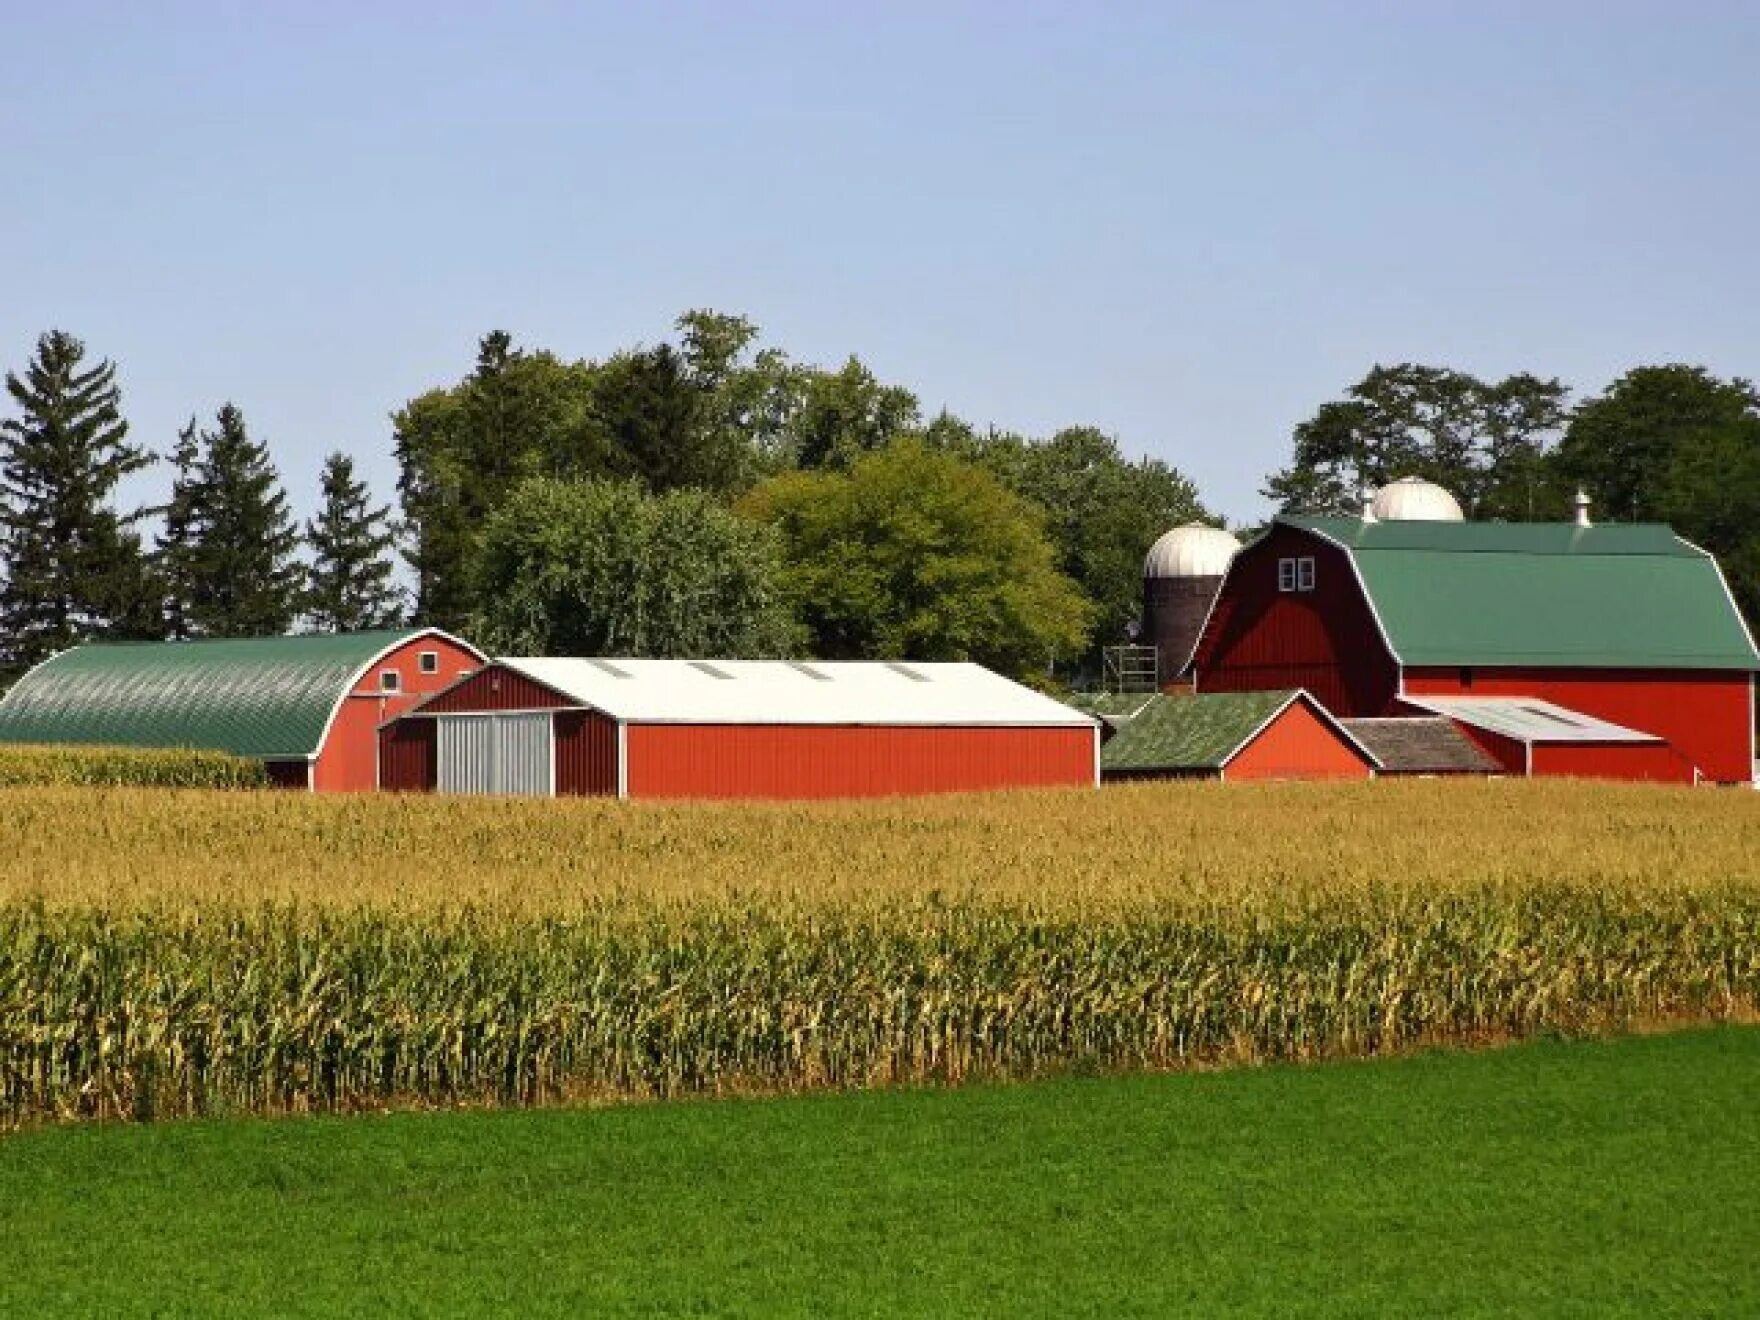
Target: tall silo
1181,576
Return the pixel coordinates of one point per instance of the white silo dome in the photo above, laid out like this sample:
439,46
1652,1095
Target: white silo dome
1412,499
1192,551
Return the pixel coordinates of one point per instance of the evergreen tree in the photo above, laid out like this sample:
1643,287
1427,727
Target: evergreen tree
244,580
74,566
349,583
175,548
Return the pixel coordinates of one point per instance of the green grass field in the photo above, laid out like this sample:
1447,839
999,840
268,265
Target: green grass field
1577,1178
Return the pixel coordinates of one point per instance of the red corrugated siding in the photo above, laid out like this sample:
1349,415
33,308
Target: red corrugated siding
1324,640
348,761
496,688
1510,755
586,754
407,756
1298,744
802,761
1655,761
1704,714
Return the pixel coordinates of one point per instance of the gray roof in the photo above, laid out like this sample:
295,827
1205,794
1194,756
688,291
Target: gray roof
1420,745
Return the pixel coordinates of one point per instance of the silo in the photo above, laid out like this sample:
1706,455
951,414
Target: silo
1181,576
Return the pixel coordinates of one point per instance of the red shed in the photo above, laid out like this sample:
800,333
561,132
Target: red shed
1628,625
736,729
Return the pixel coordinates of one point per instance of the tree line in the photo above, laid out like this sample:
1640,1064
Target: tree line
709,495
1670,443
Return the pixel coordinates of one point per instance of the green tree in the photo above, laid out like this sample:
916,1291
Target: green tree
348,584
1484,441
174,550
1711,495
845,414
245,580
1103,511
460,451
74,567
917,554
1622,445
605,568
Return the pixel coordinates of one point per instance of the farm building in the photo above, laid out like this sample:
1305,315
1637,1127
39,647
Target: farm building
1600,640
308,707
1228,735
735,729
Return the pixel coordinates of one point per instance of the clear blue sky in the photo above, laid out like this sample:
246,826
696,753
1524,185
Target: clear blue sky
1185,225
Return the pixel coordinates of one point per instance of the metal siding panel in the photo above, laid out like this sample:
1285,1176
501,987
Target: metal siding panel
497,688
1703,714
586,754
1644,761
522,755
799,761
406,756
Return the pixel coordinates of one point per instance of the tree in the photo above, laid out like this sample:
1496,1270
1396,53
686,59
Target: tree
846,414
1621,445
1482,441
348,584
605,568
917,554
1711,495
174,551
74,565
1103,511
244,578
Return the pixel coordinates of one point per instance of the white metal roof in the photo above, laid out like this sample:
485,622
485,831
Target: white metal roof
795,692
1530,720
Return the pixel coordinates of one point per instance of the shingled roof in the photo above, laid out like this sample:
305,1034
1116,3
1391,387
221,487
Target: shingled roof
1191,734
1420,745
1543,594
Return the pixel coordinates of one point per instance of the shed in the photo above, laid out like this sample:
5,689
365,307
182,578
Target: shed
1231,735
1526,735
307,706
736,729
1628,624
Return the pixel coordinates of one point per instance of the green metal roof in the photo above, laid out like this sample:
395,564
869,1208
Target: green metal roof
1543,594
268,697
1174,733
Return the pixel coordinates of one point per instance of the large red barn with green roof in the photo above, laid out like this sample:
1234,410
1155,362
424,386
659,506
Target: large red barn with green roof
1560,648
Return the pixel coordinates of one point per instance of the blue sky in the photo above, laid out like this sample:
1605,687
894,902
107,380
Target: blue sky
1188,225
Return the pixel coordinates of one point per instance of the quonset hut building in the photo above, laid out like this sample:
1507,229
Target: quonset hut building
308,707
1557,648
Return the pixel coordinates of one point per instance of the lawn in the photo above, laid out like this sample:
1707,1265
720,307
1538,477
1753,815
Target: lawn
1582,1178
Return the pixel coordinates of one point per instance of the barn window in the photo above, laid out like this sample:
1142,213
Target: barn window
428,662
1295,574
1304,574
389,680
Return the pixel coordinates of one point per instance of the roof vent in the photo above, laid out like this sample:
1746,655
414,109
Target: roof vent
709,669
1581,503
907,671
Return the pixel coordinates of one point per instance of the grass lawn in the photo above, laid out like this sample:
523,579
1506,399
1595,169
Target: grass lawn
1586,1179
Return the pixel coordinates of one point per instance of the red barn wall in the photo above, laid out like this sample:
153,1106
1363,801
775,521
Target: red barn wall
1653,761
1325,640
349,758
818,761
408,756
1704,714
586,754
496,688
1298,744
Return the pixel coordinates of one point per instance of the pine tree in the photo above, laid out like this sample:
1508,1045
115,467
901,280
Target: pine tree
175,549
349,583
74,566
244,580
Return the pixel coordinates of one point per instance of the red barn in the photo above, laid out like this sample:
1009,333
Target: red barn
736,729
1627,630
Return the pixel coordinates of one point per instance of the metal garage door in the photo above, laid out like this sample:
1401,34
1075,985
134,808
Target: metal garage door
494,754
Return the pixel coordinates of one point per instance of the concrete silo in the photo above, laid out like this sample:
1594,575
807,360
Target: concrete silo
1181,576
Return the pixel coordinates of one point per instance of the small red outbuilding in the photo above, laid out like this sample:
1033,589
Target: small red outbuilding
735,729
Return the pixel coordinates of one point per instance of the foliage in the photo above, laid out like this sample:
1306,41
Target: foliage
348,583
175,552
603,568
1103,510
30,766
835,945
73,566
1485,442
243,579
914,554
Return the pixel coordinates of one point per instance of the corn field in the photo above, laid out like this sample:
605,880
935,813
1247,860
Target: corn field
167,954
23,765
